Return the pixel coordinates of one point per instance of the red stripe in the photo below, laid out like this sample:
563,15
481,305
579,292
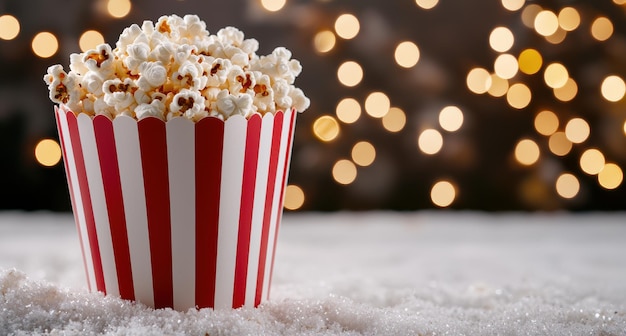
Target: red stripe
153,146
60,114
250,163
269,197
209,142
83,184
107,152
282,194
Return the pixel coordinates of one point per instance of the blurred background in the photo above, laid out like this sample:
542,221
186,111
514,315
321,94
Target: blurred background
507,105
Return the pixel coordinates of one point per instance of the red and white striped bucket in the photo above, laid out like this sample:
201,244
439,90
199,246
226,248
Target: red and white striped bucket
178,214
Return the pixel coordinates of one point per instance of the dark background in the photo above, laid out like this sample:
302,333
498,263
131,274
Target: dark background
453,38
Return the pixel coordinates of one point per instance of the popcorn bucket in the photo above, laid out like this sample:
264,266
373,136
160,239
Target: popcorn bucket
178,214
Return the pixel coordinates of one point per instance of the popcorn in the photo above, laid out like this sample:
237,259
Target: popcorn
176,68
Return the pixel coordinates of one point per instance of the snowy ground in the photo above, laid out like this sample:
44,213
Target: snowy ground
377,273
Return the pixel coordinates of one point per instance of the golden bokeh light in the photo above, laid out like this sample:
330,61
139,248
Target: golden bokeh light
119,8
90,40
427,4
592,161
394,120
348,110
363,153
567,92
505,66
377,104
527,152
430,141
569,18
555,75
407,54
559,144
324,41
45,44
530,61
9,27
273,5
577,130
443,193
613,88
558,36
478,80
501,39
326,128
611,176
347,26
619,2
529,13
48,152
350,73
451,118
546,122
601,28
344,172
499,86
294,197
624,127
513,5
546,23
518,96
567,185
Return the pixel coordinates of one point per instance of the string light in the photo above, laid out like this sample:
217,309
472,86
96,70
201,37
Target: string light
478,80
119,8
546,23
555,75
567,185
501,39
567,92
569,18
326,128
407,54
451,118
527,152
592,161
45,44
518,96
513,5
577,130
324,41
529,13
559,144
273,5
443,193
344,172
377,104
48,152
294,197
611,176
394,120
506,66
363,153
546,122
350,73
602,29
347,26
558,36
530,61
430,141
9,27
90,40
613,88
348,110
427,4
498,87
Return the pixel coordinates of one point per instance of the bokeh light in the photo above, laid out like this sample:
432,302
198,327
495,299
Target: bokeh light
529,13
478,80
273,5
430,141
601,28
546,23
530,61
611,176
407,54
592,161
569,18
348,110
294,197
555,75
427,4
9,27
546,122
48,152
119,8
443,193
377,104
558,36
347,26
363,153
559,144
45,44
519,96
567,92
90,40
350,73
577,130
505,66
324,41
513,5
451,118
527,152
613,88
498,86
394,120
567,185
501,39
344,171
326,128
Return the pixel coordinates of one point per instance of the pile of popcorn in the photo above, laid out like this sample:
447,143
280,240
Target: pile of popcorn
174,67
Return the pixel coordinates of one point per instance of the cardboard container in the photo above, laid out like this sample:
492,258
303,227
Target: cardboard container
178,214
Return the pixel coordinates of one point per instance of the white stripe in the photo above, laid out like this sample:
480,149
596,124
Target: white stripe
276,208
181,170
79,212
131,179
230,202
98,202
260,191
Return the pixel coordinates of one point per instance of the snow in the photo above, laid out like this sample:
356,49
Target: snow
372,273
